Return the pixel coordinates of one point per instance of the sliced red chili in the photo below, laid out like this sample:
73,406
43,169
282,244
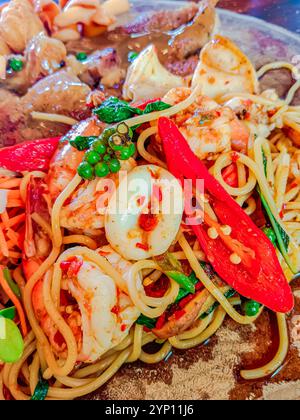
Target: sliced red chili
259,276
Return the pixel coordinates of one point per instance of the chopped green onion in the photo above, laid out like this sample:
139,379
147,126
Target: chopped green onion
11,341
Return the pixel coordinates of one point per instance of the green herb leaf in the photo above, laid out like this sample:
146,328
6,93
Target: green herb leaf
156,106
283,238
82,143
115,110
147,322
41,390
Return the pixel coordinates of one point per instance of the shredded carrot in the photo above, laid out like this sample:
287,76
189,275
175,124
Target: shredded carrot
13,221
14,203
10,183
3,244
5,218
13,236
15,301
14,194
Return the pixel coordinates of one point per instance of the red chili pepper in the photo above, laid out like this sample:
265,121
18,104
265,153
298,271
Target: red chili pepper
158,288
161,321
144,247
29,156
179,314
116,310
142,105
71,266
259,276
148,222
123,327
230,175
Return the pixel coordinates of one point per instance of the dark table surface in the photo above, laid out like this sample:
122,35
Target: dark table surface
280,12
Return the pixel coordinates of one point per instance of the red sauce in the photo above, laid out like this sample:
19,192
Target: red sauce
158,288
148,222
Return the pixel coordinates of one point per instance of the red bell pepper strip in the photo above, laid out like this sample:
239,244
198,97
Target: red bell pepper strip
259,275
29,156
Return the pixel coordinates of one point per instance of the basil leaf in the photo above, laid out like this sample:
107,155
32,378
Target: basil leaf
41,390
283,238
147,322
156,106
82,143
114,110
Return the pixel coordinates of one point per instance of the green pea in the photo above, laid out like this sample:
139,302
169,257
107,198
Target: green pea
81,56
11,341
107,158
100,147
107,133
127,152
16,64
269,232
86,171
92,157
101,170
132,55
252,308
114,166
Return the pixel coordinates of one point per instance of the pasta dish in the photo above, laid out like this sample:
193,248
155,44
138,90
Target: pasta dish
148,221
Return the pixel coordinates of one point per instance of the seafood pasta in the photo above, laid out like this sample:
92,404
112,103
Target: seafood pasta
149,222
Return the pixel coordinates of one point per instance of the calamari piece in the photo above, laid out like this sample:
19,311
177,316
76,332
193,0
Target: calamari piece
223,68
144,214
148,78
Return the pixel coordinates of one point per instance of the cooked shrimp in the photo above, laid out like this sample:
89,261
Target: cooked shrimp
83,212
66,160
144,213
98,312
209,128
